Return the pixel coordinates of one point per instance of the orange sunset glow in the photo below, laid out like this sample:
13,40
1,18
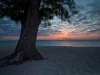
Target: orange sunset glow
60,36
65,36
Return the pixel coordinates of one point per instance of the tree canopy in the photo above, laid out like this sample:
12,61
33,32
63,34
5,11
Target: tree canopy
16,9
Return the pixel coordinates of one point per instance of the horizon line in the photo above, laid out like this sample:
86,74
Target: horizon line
57,40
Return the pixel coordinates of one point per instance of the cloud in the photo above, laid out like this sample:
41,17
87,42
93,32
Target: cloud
9,28
94,9
5,22
83,18
88,19
51,30
95,31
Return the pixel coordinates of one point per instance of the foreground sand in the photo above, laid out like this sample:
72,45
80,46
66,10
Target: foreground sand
61,61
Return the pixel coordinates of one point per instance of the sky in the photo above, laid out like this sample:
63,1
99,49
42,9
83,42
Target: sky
84,25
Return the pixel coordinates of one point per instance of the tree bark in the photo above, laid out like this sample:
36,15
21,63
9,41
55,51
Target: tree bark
27,42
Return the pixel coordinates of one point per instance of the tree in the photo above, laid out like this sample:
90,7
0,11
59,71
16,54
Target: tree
30,13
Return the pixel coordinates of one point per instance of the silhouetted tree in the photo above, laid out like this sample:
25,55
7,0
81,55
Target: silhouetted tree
30,13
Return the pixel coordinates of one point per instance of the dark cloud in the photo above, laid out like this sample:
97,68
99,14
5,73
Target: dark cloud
83,18
94,31
94,11
87,21
43,32
52,30
5,22
94,5
9,28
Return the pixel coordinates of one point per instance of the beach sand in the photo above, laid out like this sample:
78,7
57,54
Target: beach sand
61,61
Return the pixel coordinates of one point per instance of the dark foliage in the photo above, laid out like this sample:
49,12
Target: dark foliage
15,9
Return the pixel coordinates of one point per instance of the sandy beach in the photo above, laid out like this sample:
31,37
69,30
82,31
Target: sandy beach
61,61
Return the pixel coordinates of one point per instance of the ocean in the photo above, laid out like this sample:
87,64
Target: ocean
70,43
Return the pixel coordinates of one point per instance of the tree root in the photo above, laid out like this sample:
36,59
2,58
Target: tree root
15,59
7,63
8,60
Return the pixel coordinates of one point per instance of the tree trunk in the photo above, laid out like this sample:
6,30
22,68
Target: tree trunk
27,43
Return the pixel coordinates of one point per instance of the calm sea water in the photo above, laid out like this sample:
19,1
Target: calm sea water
60,43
